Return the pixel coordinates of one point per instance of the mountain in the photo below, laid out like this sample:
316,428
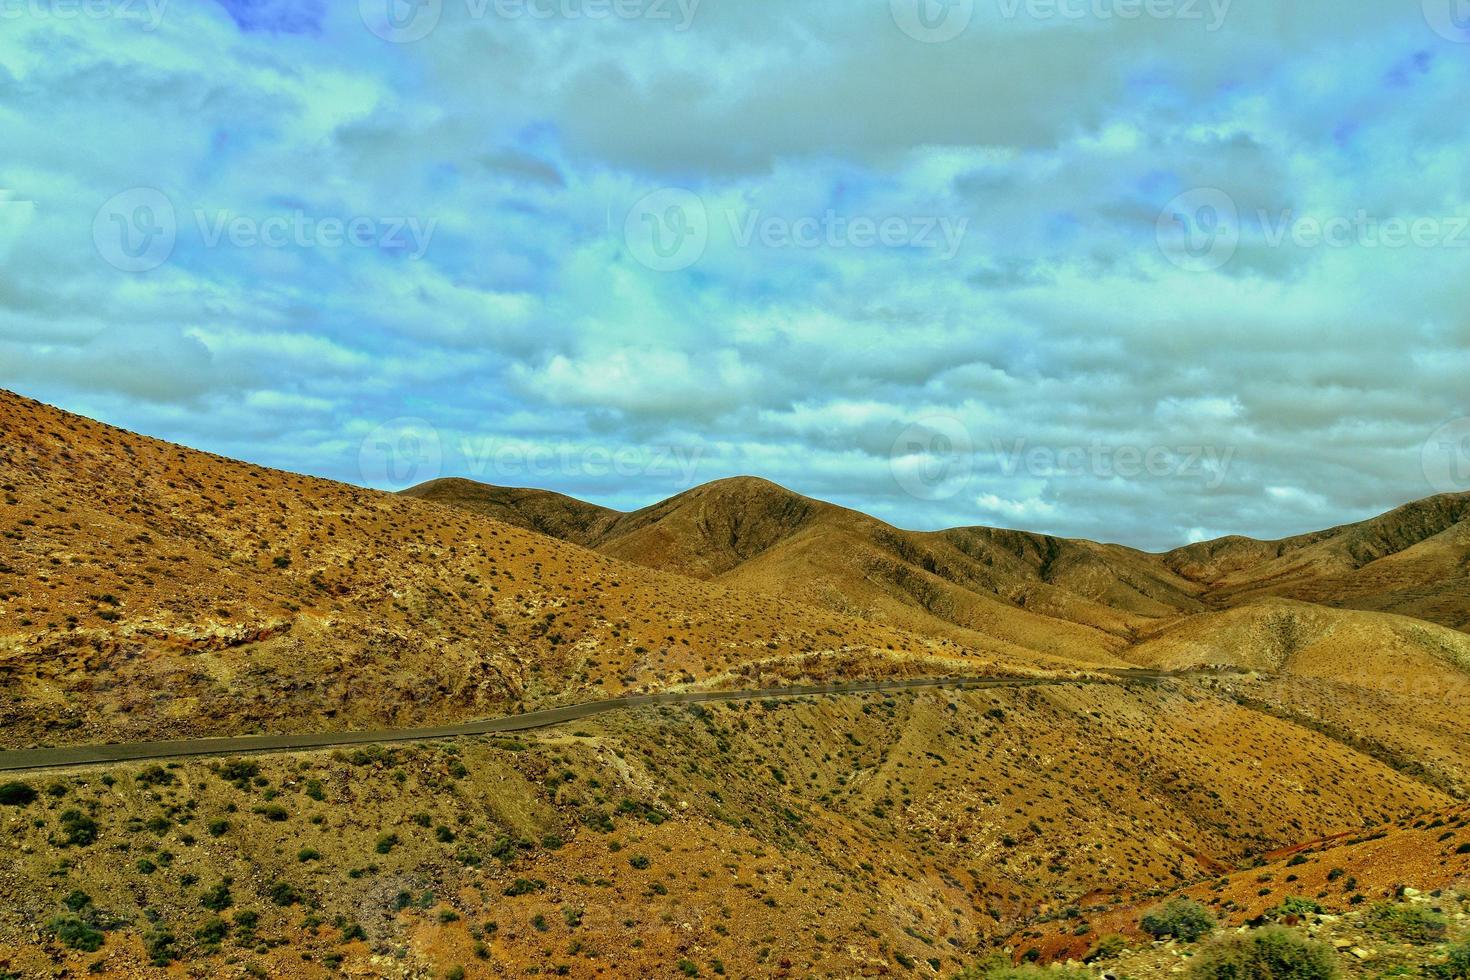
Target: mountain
1413,560
150,590
1062,597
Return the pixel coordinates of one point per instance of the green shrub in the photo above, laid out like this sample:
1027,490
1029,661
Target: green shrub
283,894
218,898
1106,948
213,932
16,794
160,947
1457,963
77,901
80,829
638,861
386,843
75,933
1184,920
155,776
1295,906
1004,971
1272,953
1408,923
523,886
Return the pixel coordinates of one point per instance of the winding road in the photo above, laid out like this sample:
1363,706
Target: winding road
83,755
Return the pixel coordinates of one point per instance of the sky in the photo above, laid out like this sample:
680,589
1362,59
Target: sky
1147,271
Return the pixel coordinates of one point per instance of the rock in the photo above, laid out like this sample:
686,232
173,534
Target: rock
1361,953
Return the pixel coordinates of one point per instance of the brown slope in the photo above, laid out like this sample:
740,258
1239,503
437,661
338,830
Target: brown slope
1285,636
542,511
149,591
1060,596
1414,560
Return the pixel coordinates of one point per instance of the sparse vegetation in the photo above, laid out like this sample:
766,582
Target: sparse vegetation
16,794
1272,953
1184,920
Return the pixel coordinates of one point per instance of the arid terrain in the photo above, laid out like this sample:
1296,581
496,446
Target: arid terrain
1313,772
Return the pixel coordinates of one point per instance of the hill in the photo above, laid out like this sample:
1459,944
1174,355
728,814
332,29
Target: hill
148,590
1413,560
152,591
1066,598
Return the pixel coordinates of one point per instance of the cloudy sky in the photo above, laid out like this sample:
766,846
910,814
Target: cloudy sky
1139,270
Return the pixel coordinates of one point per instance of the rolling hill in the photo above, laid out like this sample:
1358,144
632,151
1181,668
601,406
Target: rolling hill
149,590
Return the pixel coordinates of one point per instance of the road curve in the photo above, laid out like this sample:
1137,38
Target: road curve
82,755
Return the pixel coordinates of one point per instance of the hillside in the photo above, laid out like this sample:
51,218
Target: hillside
1414,560
147,590
1067,598
751,534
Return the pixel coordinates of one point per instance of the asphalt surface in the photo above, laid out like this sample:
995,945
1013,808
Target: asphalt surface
82,755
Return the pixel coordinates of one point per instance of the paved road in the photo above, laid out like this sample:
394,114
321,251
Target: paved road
81,755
